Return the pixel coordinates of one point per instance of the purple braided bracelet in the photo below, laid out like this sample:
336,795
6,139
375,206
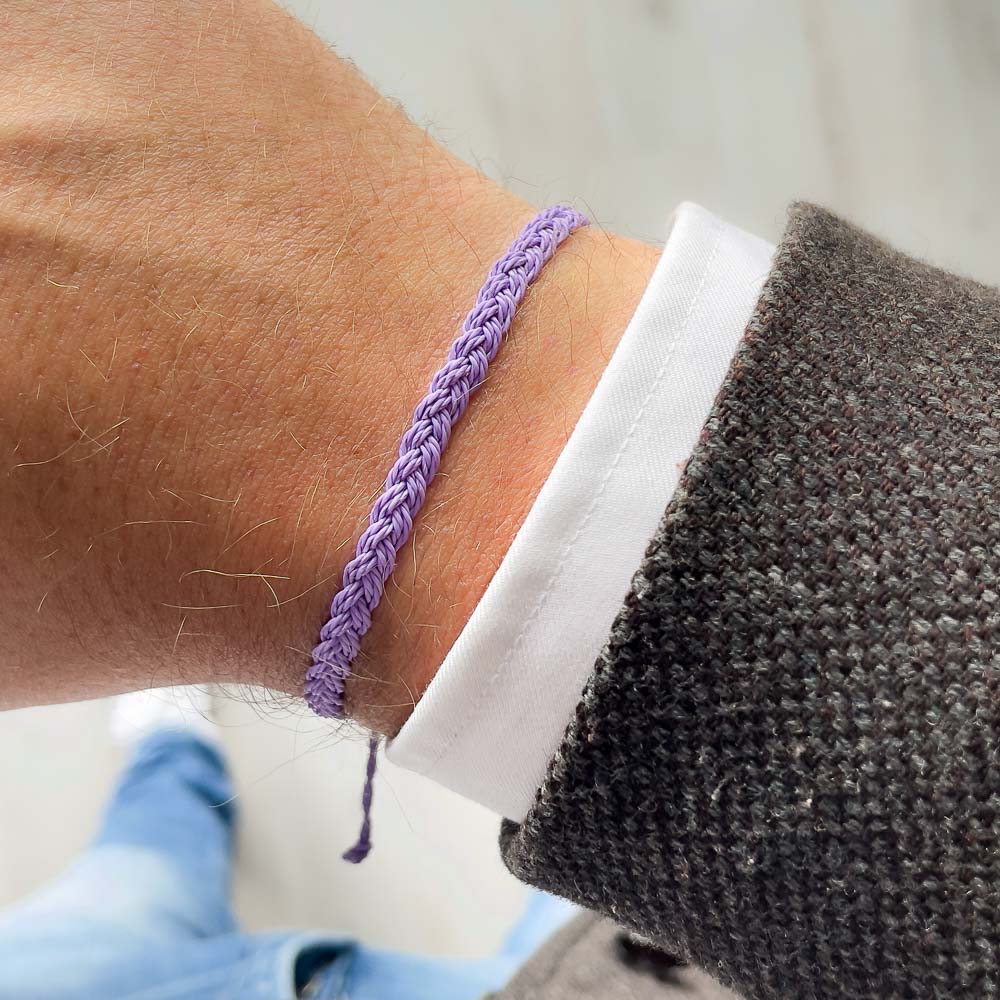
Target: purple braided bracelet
393,513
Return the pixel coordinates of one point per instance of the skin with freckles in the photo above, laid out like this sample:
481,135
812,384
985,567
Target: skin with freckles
228,270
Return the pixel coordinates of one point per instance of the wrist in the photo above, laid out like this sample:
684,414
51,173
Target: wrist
405,296
498,458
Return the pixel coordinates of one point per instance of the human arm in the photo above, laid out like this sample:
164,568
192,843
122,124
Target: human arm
228,268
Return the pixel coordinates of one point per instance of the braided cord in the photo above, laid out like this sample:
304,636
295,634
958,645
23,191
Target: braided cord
393,513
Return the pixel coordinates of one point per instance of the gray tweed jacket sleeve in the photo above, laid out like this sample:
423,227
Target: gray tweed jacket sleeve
785,764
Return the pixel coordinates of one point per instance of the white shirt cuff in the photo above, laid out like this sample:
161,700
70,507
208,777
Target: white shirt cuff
490,721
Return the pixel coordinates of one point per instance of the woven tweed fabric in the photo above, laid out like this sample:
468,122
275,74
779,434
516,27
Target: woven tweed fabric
592,959
785,765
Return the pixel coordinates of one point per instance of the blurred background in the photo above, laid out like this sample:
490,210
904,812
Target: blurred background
884,110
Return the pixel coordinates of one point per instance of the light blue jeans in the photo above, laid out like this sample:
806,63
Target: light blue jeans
144,913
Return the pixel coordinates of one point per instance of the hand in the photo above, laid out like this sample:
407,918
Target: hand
228,269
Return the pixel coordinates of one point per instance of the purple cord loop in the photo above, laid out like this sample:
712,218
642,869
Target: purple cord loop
392,516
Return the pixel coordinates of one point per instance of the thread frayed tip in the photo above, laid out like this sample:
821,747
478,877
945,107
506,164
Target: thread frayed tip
356,854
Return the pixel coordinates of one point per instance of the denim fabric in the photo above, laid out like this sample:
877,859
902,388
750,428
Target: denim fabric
144,913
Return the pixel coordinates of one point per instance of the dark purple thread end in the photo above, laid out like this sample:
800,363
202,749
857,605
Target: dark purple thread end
356,854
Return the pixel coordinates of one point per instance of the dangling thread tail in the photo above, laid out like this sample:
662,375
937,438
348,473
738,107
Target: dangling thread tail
356,854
